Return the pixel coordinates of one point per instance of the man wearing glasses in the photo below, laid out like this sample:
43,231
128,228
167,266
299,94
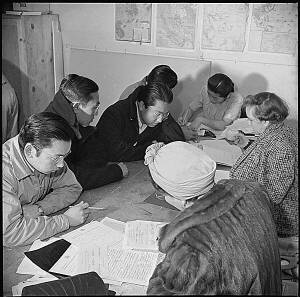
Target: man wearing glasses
37,182
129,126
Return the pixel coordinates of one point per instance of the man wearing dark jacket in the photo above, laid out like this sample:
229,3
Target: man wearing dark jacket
77,102
129,126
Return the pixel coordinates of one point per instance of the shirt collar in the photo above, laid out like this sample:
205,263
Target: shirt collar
142,126
62,106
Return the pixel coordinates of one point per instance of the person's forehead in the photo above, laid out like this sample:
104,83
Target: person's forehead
160,106
58,147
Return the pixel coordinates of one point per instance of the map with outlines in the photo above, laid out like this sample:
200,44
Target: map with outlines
274,28
133,22
224,26
176,25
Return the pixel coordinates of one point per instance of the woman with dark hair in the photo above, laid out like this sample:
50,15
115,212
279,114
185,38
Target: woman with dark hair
272,160
77,101
161,73
224,242
217,106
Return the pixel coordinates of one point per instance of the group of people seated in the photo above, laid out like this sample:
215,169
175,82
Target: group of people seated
229,235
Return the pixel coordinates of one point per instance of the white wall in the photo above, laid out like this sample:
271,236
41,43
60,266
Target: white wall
92,26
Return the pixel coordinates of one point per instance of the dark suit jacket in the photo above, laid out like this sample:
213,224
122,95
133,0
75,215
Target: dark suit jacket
118,130
87,161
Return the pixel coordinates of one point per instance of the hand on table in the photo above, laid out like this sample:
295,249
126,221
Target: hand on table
237,138
124,169
78,213
189,133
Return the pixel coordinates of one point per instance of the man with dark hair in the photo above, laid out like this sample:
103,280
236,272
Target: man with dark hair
162,73
129,126
77,101
165,75
37,182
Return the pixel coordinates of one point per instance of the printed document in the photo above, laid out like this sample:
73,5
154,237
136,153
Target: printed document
119,264
142,235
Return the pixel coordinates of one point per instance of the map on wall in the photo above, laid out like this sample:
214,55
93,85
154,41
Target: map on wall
176,25
133,22
274,28
224,26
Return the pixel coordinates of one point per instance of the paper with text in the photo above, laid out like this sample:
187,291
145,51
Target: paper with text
93,233
118,264
142,235
68,262
28,267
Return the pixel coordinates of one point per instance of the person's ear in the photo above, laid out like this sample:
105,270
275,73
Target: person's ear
141,105
30,151
76,107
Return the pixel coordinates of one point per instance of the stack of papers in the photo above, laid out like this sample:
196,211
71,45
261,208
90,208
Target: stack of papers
117,251
221,151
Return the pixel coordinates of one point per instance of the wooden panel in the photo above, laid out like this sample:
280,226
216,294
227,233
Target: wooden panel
39,61
12,58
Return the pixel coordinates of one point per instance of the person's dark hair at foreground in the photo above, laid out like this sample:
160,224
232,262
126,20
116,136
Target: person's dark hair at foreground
225,243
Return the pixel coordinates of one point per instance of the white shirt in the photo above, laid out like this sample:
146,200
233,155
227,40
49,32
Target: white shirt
142,126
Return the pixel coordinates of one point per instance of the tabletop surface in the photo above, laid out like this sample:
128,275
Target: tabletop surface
123,201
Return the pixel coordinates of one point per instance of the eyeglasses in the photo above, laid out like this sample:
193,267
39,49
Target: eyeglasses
58,159
158,114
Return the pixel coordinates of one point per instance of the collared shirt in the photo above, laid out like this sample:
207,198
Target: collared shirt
22,186
142,126
229,109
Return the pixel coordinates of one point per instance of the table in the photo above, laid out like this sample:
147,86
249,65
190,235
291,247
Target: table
123,201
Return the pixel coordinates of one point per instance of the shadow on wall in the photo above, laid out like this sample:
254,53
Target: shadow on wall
187,90
15,76
252,84
32,98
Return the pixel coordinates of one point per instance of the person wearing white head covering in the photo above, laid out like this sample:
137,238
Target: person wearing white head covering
181,170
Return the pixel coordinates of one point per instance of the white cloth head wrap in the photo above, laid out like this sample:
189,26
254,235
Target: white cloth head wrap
181,169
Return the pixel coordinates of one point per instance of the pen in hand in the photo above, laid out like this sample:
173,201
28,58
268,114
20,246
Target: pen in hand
90,207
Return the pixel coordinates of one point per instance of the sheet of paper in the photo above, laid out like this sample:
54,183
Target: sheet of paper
28,267
142,235
68,262
221,174
93,233
114,224
221,151
239,124
118,264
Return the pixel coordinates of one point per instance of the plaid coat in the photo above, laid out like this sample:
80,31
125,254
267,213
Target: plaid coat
272,160
225,243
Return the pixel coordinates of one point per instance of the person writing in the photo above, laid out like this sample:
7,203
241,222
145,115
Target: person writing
224,242
77,101
272,160
37,182
129,126
217,106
